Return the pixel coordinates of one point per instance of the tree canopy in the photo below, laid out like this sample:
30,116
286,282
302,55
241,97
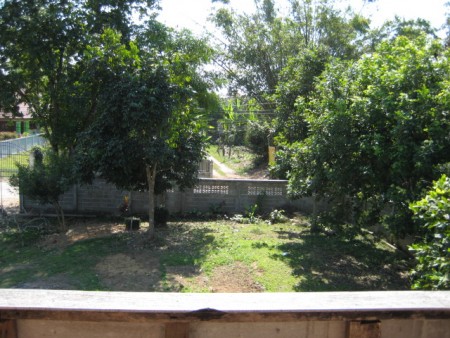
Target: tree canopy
43,45
378,129
123,100
148,134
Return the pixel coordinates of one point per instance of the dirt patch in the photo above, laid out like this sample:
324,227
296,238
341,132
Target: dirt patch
81,230
141,271
122,272
236,277
56,282
180,277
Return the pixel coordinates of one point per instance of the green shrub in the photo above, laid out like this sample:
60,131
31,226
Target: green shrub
7,135
433,254
46,180
257,138
277,216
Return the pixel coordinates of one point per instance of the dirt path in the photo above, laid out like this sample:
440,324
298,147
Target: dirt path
227,171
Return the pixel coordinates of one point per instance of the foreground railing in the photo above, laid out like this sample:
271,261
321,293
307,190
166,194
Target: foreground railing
45,313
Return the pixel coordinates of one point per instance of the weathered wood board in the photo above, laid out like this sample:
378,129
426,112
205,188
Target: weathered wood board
73,314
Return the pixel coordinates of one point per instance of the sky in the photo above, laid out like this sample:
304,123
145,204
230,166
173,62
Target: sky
193,14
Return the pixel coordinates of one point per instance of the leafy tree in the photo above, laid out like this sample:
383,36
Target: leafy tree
298,79
392,29
378,131
125,99
258,138
258,47
149,135
276,59
42,64
433,254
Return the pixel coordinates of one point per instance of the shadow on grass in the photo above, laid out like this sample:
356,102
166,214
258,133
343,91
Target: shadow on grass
184,244
90,264
336,263
181,248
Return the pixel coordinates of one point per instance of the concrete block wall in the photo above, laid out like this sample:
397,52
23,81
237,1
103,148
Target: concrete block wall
227,195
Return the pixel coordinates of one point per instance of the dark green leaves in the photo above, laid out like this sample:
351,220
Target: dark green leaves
433,254
376,129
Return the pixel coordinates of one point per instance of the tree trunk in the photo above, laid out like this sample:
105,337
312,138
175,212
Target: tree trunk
151,178
314,222
60,216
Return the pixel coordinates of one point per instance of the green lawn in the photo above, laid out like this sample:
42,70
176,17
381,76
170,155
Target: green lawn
8,164
198,256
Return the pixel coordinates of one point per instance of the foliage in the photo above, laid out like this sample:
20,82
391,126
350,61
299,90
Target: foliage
411,29
447,25
43,45
258,138
275,59
46,180
277,216
149,134
297,79
433,254
231,127
7,135
251,215
378,131
259,46
124,99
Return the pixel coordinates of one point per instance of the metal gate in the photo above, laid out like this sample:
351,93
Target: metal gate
13,152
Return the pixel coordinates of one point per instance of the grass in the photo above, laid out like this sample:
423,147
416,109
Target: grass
218,256
8,164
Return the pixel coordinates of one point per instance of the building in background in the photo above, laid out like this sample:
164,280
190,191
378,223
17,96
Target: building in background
21,124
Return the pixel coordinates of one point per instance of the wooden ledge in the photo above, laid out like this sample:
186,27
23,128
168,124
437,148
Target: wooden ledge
141,306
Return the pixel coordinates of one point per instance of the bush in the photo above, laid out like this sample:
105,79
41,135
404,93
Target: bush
46,180
277,216
433,254
257,139
7,135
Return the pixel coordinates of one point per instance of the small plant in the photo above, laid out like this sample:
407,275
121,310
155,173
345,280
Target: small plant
217,209
250,216
277,216
238,218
